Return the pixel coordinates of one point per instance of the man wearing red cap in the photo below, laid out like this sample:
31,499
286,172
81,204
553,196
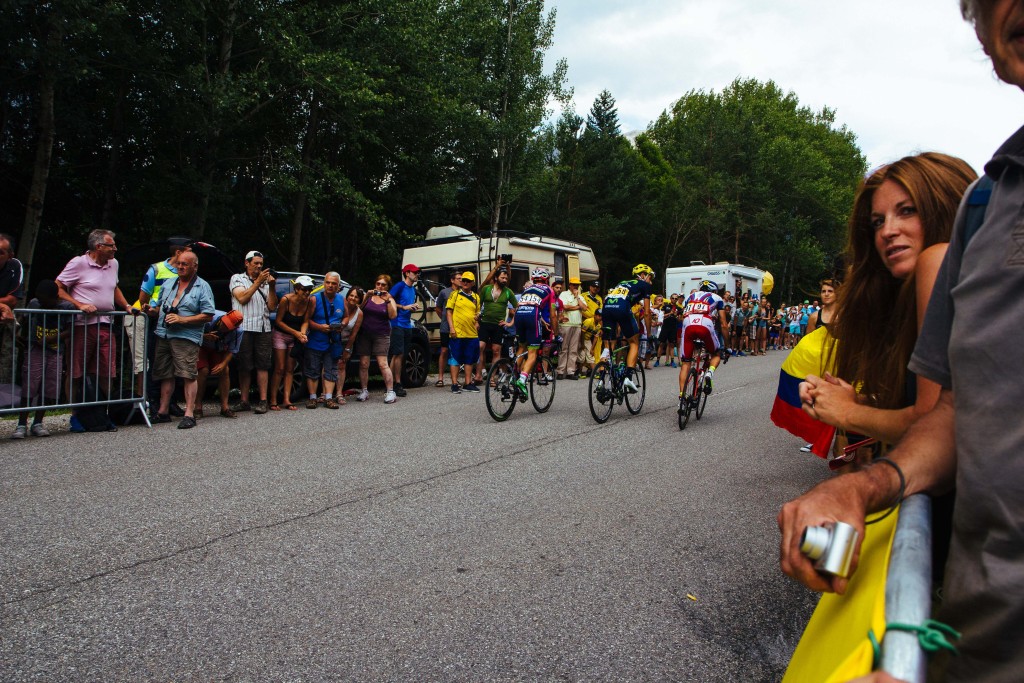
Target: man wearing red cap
404,294
221,340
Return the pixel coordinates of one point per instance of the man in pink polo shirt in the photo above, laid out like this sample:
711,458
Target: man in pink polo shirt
89,282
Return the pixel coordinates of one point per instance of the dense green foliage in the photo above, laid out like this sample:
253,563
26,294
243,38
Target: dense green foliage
329,133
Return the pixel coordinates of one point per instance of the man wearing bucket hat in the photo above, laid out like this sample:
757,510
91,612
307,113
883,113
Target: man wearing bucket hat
571,329
222,337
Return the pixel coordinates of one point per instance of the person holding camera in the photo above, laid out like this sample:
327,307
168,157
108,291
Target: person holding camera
350,324
379,309
186,306
323,341
497,301
404,295
253,293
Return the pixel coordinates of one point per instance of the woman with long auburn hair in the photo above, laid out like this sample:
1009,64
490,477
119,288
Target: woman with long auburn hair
898,233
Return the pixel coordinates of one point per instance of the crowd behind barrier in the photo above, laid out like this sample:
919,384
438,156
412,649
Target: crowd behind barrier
58,364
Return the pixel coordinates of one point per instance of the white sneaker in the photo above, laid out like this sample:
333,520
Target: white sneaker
606,355
628,385
363,395
39,429
389,397
20,432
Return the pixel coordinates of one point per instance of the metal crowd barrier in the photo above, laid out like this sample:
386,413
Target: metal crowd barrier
40,369
908,590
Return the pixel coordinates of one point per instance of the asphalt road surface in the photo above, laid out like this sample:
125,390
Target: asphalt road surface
420,541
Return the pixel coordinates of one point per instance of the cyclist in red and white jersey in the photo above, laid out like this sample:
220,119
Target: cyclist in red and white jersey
701,311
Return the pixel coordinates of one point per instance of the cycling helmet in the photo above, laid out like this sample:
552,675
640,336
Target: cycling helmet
708,286
642,269
539,274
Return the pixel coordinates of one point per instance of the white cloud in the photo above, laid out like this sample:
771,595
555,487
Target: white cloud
903,76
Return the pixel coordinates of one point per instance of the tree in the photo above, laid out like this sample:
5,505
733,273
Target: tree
773,181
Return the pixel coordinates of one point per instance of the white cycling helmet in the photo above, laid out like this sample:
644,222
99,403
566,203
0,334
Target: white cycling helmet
539,274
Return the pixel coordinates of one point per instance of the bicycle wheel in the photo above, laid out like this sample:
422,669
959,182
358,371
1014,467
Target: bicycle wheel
686,401
542,385
600,392
499,392
702,400
634,402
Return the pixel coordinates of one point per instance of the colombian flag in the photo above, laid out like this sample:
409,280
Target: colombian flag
806,358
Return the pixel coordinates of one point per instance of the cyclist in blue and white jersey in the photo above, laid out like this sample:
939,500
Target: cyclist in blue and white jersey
536,300
701,311
618,319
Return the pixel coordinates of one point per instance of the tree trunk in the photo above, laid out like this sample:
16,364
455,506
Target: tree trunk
44,145
227,38
308,145
503,145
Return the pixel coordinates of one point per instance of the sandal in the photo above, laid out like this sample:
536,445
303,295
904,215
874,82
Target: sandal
198,413
275,408
311,404
439,383
289,406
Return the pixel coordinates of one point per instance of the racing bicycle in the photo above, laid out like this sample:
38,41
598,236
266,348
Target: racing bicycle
501,392
606,386
694,397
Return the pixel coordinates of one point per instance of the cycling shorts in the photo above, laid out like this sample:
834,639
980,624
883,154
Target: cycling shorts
529,330
618,320
705,332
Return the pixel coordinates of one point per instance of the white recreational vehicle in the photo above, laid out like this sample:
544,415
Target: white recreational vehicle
734,278
449,247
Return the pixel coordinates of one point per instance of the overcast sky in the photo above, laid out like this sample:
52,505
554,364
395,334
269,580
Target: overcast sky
903,75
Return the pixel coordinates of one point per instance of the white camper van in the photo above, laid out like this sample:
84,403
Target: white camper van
735,278
449,247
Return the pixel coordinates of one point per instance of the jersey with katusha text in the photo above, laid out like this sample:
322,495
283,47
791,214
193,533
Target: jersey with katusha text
706,304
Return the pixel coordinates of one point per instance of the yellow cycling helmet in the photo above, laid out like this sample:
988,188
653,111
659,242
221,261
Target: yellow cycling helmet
642,269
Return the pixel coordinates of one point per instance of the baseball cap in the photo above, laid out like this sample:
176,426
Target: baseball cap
410,268
231,319
253,254
179,241
304,281
469,276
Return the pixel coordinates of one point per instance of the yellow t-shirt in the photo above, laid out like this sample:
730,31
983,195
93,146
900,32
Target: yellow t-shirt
465,308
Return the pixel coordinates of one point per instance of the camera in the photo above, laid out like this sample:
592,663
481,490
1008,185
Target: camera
507,258
830,546
273,273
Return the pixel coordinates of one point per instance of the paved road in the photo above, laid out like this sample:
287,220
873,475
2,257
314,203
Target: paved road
420,541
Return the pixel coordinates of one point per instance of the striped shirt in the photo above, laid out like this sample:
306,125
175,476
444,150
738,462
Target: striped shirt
255,313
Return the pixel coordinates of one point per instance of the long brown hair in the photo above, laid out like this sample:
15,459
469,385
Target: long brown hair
875,319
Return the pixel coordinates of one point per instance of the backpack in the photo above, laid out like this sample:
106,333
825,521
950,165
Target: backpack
94,418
